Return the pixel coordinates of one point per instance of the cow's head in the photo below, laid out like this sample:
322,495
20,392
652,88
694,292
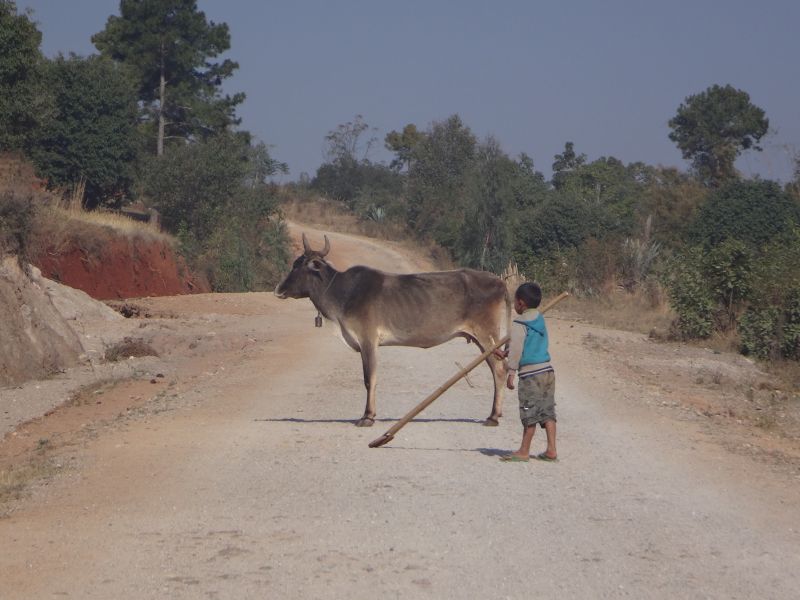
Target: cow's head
307,272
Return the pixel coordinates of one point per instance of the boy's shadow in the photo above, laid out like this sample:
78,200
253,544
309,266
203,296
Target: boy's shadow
492,451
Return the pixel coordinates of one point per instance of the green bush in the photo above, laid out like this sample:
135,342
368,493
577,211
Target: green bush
556,271
690,296
773,331
728,271
790,342
759,332
213,195
770,328
753,212
240,257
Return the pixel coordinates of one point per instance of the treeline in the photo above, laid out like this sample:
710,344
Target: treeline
145,119
725,250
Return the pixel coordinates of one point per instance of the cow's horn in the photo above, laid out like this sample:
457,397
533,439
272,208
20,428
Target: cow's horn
306,247
327,247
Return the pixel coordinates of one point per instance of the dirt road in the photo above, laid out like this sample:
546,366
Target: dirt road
240,475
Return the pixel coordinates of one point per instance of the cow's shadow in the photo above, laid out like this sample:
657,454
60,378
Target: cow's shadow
484,451
354,421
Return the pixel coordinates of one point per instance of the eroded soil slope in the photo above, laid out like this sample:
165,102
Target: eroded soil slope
120,268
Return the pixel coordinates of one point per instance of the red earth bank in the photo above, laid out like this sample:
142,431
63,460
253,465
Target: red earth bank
122,268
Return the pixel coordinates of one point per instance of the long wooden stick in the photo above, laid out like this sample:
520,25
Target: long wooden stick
389,435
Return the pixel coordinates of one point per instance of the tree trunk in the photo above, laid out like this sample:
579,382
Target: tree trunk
161,91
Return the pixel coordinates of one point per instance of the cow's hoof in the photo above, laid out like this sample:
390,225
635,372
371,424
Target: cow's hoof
491,422
365,422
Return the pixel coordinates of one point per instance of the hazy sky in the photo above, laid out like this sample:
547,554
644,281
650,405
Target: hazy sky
605,74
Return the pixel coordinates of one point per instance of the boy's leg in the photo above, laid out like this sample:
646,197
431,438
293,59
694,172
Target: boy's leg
550,430
527,438
525,445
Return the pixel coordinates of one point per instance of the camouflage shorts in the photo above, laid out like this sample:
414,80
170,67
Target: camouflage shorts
537,399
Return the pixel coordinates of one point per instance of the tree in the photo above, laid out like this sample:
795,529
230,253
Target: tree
192,185
714,127
92,137
670,199
439,168
403,144
346,143
168,44
24,103
485,237
372,190
753,212
564,163
608,188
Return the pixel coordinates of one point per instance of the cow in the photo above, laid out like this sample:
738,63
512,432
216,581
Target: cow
374,308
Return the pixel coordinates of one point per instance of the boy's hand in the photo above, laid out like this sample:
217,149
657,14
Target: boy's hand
510,381
501,354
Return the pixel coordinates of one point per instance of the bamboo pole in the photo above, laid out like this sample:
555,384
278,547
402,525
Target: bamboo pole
389,435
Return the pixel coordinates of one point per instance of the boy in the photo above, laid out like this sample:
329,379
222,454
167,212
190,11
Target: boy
528,354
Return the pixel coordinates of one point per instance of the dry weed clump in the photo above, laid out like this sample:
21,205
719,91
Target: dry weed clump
15,479
129,348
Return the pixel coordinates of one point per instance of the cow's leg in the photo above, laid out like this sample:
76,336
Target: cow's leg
369,356
497,367
499,375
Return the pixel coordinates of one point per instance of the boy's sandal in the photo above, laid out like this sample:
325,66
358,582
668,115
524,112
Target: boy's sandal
514,458
543,456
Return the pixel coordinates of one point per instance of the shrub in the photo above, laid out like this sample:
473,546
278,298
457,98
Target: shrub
637,259
728,271
753,212
596,265
690,296
773,331
556,271
759,332
214,196
245,257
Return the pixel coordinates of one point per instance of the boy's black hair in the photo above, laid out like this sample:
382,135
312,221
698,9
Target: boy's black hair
530,294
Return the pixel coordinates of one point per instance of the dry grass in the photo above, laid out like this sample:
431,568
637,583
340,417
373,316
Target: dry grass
788,373
722,341
16,478
88,394
331,215
68,218
638,311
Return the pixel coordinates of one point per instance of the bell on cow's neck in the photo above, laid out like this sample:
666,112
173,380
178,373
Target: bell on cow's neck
318,320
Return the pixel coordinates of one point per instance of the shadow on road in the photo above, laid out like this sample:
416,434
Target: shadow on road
353,421
493,452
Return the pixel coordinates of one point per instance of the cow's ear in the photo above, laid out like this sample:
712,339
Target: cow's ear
315,264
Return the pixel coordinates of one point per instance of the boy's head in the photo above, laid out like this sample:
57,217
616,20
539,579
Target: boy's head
528,295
